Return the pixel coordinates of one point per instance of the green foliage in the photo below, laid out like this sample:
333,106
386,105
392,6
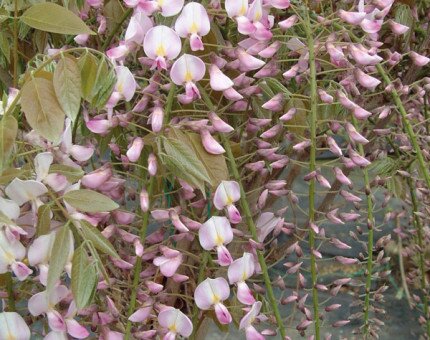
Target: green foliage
67,85
54,18
89,201
59,255
100,242
84,278
43,220
183,162
8,132
42,109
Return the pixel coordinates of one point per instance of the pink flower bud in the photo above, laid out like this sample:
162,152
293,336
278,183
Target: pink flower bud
152,165
133,153
210,143
157,117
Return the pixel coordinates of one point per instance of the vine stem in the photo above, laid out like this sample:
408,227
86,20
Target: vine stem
15,44
419,228
370,224
124,17
250,222
407,126
312,167
145,219
138,264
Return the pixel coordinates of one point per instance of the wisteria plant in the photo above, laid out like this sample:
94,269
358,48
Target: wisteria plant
174,168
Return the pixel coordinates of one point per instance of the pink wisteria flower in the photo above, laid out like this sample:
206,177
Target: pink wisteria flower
176,323
211,293
247,321
161,44
186,71
240,271
227,193
13,326
149,7
193,23
216,233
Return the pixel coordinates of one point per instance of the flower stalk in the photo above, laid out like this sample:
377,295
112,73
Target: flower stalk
312,167
370,237
421,254
249,220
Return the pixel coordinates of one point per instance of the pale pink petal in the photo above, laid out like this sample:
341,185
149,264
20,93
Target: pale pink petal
133,153
21,270
81,153
171,7
418,59
226,193
192,20
222,314
76,330
241,269
248,62
210,144
224,256
244,294
13,326
249,318
23,191
173,319
353,18
9,208
210,292
141,314
42,163
218,80
38,304
188,68
233,214
125,84
235,8
162,41
56,321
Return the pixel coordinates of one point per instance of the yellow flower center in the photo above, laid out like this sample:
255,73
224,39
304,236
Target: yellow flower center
188,76
160,51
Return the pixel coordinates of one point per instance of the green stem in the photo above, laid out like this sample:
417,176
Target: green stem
419,228
10,293
370,221
15,44
200,278
124,17
407,126
250,222
312,167
138,264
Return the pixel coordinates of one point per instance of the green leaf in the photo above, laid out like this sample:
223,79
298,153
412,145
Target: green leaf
59,255
8,132
105,84
89,201
50,17
84,278
100,242
5,46
215,165
71,173
67,85
41,108
183,162
88,66
43,220
277,86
